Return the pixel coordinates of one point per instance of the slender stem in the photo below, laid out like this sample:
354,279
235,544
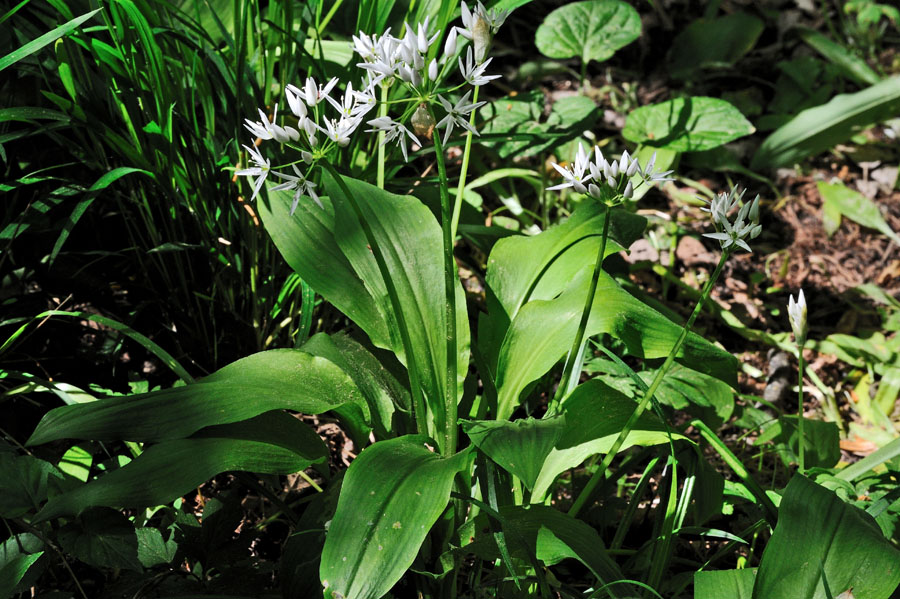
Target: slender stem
414,383
648,395
575,351
450,278
460,189
382,112
327,19
800,345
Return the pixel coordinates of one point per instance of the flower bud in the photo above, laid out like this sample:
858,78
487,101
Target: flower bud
450,44
629,190
422,121
754,210
797,316
481,37
433,70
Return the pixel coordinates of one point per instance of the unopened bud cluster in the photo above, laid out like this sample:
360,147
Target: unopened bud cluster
797,316
605,181
745,226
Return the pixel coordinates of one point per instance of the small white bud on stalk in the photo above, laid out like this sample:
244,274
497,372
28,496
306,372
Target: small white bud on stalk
433,70
797,316
450,44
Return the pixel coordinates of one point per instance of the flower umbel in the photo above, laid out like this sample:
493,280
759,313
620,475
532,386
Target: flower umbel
734,234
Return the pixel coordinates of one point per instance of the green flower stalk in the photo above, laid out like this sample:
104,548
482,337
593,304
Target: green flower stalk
797,316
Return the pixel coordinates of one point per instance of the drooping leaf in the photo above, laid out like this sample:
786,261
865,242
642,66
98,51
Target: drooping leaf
270,380
102,537
821,449
520,447
851,65
592,30
20,562
543,330
48,38
691,124
717,42
391,496
684,389
724,584
839,200
817,129
274,443
819,536
595,414
540,267
25,483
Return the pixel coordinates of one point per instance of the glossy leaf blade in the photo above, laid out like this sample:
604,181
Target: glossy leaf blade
840,200
817,129
274,443
692,124
724,584
595,414
542,331
520,447
391,496
592,30
817,536
271,380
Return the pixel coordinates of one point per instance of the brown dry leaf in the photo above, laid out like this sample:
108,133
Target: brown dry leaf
858,446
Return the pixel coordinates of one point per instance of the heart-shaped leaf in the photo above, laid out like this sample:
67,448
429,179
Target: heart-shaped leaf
592,30
691,124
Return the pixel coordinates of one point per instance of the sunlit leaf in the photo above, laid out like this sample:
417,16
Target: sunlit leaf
592,30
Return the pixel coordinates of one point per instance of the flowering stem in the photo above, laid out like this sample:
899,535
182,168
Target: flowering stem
566,382
800,345
450,278
382,112
648,394
457,204
414,383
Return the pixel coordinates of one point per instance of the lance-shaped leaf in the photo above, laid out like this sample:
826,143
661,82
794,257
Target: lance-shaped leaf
270,380
595,414
521,269
821,540
817,129
724,584
543,331
391,496
273,443
519,447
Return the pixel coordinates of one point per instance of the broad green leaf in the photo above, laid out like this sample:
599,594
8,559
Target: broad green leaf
48,38
540,267
274,442
819,535
306,241
383,392
691,124
76,462
841,200
684,389
25,483
411,241
519,447
711,43
724,584
851,65
152,549
821,448
19,565
595,414
103,538
818,129
391,496
543,330
552,536
592,30
271,380
519,122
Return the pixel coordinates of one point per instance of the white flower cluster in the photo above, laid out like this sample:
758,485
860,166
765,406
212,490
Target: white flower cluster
606,181
385,59
305,104
734,233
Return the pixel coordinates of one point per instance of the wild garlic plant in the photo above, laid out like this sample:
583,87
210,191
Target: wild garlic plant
797,318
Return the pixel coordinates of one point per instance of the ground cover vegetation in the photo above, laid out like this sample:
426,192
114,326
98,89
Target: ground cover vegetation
427,299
